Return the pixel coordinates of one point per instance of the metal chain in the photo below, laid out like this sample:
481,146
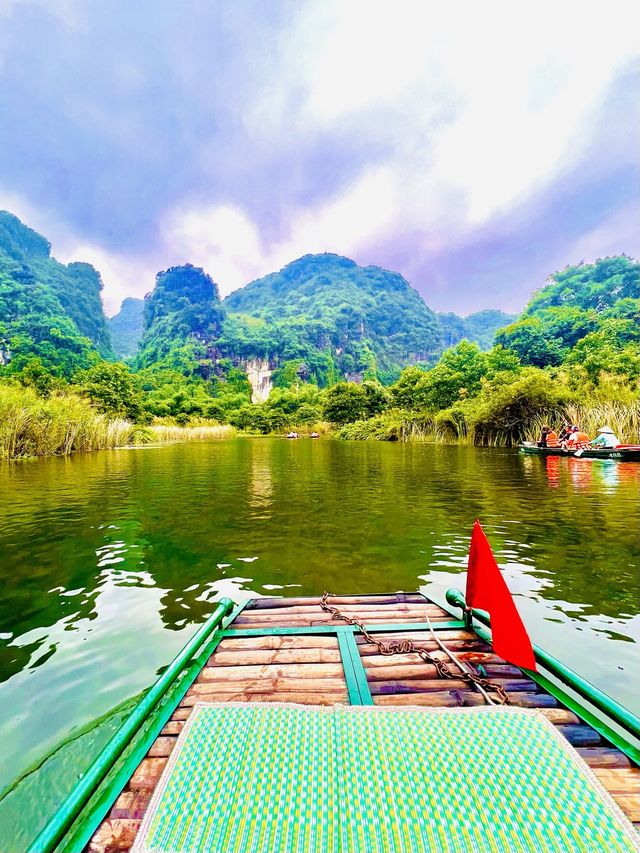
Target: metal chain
407,646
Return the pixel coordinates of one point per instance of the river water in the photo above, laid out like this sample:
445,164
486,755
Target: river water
109,560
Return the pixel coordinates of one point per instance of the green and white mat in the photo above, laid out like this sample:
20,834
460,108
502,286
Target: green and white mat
294,779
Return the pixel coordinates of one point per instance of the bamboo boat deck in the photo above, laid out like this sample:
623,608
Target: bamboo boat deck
269,654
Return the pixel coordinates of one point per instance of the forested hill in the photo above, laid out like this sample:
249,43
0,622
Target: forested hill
127,326
47,310
182,318
588,314
479,328
335,316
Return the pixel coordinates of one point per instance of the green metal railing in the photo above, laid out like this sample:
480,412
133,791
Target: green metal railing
601,702
61,822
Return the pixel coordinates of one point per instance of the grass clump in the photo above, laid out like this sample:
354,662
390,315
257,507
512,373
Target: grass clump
32,425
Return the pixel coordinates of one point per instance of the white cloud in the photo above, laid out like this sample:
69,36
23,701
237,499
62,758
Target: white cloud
483,100
225,241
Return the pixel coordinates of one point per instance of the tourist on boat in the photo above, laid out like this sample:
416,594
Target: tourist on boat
315,435
578,440
549,438
606,438
565,432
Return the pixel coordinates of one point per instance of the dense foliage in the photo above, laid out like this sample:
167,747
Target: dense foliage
50,314
338,318
479,328
126,327
355,348
575,347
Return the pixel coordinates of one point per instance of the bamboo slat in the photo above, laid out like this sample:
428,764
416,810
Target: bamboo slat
630,805
621,780
288,670
114,836
209,689
424,636
162,747
460,647
349,609
262,656
305,641
131,805
337,600
173,727
147,773
602,756
411,660
455,698
304,698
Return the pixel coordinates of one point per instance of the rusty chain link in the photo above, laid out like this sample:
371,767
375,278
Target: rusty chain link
407,646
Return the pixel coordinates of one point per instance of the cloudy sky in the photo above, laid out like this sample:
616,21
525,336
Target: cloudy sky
475,147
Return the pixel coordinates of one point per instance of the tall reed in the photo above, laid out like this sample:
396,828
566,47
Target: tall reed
168,432
31,425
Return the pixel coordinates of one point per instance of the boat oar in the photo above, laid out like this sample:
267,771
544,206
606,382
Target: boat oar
458,663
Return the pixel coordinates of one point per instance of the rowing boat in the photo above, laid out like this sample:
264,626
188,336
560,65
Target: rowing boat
622,453
262,701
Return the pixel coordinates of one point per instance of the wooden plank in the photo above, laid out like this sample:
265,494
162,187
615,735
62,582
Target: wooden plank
580,735
350,609
420,636
291,670
602,756
254,619
451,698
619,780
411,660
130,805
392,672
162,747
181,714
560,716
173,727
311,698
336,600
146,774
209,689
114,836
469,648
630,805
261,656
304,641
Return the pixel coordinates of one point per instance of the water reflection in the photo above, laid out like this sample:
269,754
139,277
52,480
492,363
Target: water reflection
108,561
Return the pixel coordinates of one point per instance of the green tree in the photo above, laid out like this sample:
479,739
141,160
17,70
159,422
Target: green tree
112,388
344,403
530,341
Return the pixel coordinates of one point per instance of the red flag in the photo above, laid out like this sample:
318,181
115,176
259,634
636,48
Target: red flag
487,590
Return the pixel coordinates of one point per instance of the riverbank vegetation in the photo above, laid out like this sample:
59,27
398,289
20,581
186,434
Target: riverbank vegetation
310,329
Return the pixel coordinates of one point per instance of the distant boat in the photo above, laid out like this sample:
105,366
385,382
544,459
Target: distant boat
623,452
293,435
315,435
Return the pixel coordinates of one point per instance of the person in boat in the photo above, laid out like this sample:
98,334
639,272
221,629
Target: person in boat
606,438
578,440
549,438
565,432
315,435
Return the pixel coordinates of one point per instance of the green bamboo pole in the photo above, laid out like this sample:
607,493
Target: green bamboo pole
60,823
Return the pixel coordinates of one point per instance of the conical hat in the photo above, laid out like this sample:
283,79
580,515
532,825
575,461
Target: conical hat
607,430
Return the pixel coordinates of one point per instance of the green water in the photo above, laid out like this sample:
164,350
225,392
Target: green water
108,562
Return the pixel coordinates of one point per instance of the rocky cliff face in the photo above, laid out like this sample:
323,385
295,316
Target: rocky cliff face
259,372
